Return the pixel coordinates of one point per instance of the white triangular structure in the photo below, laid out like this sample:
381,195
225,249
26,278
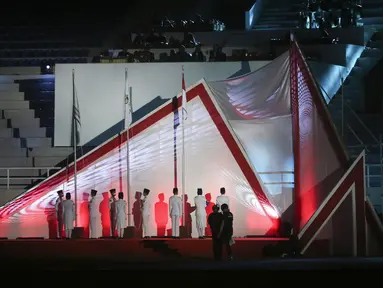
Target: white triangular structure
215,158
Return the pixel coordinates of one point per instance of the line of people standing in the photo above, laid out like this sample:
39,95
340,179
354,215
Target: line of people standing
65,211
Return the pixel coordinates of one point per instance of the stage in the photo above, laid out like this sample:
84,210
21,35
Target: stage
139,250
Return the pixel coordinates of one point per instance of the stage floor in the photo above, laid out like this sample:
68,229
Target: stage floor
137,250
162,254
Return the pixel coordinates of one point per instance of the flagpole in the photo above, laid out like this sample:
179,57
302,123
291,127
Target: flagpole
75,149
127,96
183,147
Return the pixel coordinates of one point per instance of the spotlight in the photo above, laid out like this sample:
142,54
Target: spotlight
46,69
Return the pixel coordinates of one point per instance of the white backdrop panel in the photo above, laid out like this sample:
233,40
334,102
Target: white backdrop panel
100,90
209,165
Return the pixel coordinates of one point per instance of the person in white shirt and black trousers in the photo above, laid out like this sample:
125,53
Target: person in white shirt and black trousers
222,199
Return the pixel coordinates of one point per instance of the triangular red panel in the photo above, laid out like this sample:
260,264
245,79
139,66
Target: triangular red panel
354,176
319,156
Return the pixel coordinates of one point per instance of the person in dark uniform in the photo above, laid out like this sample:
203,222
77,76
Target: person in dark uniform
226,231
59,213
215,221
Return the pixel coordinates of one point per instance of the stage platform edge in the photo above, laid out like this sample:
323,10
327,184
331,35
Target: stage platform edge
141,249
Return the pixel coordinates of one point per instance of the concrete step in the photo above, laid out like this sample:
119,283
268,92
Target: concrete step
14,105
22,173
372,12
16,162
367,62
25,122
372,52
47,161
38,142
6,143
11,96
6,133
51,151
11,87
7,195
375,44
276,13
15,183
371,20
19,114
3,123
376,5
13,152
38,132
357,72
281,22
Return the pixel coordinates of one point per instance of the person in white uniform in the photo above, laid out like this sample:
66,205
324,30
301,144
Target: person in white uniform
59,213
69,215
222,199
112,212
121,214
93,214
146,211
200,213
175,212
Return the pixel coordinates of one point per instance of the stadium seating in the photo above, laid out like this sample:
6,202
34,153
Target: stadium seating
26,130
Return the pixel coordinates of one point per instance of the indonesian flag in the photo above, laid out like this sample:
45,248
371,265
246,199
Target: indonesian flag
184,101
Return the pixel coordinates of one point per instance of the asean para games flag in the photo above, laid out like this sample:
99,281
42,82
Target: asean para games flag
128,103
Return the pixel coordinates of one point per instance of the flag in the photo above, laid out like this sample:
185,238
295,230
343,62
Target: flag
184,101
128,103
76,120
176,123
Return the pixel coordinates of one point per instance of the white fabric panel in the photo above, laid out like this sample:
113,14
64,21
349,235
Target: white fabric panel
261,94
257,106
268,144
209,165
